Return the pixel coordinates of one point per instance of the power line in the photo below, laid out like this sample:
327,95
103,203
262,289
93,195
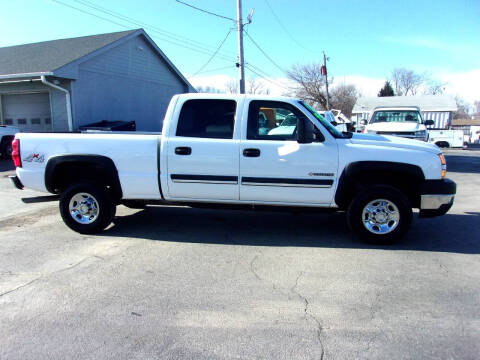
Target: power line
264,53
284,27
89,13
152,28
205,11
217,69
137,22
191,47
213,55
265,78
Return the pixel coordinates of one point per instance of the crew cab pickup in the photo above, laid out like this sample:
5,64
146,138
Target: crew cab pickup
220,150
406,122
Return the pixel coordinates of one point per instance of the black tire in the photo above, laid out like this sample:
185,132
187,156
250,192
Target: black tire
103,201
355,215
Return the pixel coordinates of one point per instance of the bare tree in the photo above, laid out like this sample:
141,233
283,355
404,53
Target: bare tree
476,106
432,85
208,89
256,87
407,81
343,97
310,84
232,86
253,87
462,108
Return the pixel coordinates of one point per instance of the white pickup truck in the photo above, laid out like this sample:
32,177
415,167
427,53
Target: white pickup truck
7,134
219,150
406,121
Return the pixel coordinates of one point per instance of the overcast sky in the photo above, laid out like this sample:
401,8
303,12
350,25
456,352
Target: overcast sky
365,39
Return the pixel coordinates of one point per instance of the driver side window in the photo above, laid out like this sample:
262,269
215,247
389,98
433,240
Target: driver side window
272,120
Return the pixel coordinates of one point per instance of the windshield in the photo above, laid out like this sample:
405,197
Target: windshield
396,116
330,128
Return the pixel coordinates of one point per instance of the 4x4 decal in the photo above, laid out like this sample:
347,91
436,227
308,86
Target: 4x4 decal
35,158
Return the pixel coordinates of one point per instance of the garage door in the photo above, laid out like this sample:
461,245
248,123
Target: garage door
30,112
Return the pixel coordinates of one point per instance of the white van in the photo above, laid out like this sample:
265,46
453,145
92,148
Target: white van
406,122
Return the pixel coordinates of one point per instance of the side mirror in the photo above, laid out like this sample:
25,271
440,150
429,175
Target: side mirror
334,123
429,122
304,131
363,122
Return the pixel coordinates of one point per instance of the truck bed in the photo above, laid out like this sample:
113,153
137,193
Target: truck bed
135,156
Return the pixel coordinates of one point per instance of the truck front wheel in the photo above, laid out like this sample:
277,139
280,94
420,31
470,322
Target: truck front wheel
380,214
86,207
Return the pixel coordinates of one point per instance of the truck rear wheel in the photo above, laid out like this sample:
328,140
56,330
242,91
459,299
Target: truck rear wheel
380,214
86,207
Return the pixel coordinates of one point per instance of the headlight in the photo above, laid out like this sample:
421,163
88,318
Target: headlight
421,133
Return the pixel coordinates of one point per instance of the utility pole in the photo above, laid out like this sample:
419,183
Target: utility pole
324,72
241,64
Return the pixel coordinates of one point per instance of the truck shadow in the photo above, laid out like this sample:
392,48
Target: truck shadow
449,233
6,165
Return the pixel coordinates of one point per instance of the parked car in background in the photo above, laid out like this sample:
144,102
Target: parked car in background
338,119
446,138
406,122
7,133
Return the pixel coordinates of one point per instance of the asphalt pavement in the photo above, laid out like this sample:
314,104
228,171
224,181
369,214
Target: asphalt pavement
181,283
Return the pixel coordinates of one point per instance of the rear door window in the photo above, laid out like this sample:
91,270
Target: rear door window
207,118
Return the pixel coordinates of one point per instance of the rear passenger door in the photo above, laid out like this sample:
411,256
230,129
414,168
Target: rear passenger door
203,161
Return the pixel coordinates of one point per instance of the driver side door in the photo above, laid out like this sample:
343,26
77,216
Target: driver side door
274,167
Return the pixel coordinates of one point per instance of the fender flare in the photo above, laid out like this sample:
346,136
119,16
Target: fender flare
352,172
105,166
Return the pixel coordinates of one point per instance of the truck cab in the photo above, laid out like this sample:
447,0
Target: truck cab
406,122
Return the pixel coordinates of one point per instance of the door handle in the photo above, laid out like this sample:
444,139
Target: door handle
183,150
251,152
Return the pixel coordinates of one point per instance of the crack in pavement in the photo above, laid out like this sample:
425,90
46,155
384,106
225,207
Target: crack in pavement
51,273
373,312
258,277
308,314
21,286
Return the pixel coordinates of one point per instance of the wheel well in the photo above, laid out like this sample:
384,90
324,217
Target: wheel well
404,177
442,144
63,171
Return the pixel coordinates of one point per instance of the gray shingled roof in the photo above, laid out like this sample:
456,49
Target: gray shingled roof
48,56
424,102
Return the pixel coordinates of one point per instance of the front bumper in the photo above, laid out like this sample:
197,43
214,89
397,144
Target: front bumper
436,197
16,182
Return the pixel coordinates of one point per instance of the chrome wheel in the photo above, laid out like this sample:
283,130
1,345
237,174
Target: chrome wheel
380,216
84,208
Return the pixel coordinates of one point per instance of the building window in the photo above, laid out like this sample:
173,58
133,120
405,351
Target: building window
48,121
8,122
22,121
35,121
